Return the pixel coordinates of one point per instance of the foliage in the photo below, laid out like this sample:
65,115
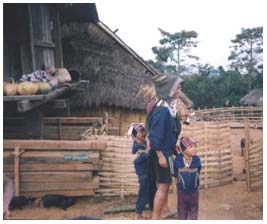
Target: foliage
174,51
246,54
205,85
207,90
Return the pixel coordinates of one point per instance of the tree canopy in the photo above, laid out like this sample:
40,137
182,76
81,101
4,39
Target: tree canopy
246,53
173,54
208,86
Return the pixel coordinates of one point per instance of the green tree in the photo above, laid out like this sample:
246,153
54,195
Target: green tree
246,54
208,90
174,50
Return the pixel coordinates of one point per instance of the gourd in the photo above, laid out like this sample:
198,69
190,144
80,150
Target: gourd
28,88
44,88
62,75
10,88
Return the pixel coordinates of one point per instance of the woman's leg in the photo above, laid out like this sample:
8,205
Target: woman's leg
160,200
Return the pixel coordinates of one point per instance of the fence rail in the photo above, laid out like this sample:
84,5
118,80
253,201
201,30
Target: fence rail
252,113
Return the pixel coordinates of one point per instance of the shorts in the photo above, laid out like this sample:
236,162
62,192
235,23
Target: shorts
162,175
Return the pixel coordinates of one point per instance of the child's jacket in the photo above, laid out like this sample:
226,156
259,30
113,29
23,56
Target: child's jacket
140,158
187,178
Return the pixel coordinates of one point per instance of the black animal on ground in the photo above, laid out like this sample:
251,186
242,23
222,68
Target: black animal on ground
60,201
18,202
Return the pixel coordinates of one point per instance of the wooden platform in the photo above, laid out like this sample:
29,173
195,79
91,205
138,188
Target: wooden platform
26,103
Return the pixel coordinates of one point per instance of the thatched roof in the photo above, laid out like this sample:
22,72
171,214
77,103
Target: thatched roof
254,98
116,73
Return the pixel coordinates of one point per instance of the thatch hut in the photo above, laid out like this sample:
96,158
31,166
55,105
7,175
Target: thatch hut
253,98
116,74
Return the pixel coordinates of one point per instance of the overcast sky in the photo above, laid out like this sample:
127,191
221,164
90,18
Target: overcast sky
216,22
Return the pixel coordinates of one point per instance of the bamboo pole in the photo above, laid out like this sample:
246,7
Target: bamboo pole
16,170
123,174
206,157
247,144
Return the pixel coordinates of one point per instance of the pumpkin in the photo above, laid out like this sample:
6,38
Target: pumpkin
44,88
10,88
62,75
28,88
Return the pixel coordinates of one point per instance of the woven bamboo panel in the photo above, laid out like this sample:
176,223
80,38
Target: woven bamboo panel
117,175
256,165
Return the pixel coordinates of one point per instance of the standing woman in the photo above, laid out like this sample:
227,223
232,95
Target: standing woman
163,128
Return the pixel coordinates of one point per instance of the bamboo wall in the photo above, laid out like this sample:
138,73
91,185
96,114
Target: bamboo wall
118,178
253,158
117,175
119,118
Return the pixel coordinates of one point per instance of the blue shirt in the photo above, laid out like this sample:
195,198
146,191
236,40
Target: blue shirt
162,131
187,178
140,161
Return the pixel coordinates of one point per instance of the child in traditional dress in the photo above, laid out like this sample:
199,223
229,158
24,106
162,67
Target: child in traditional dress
140,153
188,166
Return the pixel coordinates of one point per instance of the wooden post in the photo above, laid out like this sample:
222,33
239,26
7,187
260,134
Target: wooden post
68,107
106,118
247,145
31,37
57,36
251,113
242,113
206,157
233,113
16,170
123,174
220,164
59,129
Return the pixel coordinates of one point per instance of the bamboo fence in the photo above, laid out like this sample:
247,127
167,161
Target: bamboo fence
253,161
117,175
253,113
214,148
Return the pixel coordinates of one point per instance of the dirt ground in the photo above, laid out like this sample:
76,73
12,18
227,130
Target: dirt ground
231,201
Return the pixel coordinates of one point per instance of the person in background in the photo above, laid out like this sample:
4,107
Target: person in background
188,166
163,126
